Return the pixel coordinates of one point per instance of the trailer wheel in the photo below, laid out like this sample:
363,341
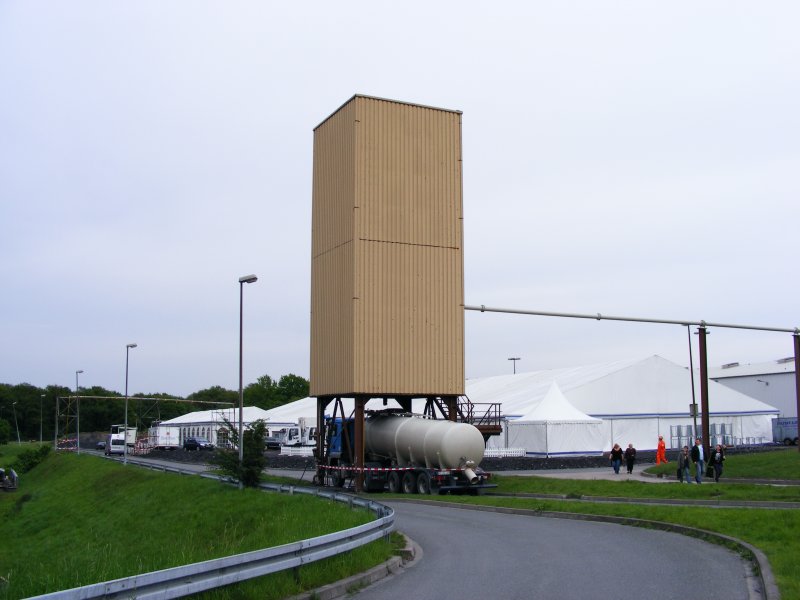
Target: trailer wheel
394,483
787,442
424,483
409,483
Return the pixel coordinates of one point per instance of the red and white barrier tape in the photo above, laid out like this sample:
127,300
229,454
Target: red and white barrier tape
376,469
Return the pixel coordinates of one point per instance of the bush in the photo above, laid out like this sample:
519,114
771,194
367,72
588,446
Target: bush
28,459
253,460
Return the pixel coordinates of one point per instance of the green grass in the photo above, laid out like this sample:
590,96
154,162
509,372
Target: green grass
10,452
781,463
77,520
626,488
62,541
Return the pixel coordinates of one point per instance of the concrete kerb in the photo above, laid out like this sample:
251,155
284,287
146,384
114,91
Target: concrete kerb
409,556
777,505
672,478
760,582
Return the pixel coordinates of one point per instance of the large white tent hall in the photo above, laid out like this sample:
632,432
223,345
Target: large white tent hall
637,400
211,424
592,407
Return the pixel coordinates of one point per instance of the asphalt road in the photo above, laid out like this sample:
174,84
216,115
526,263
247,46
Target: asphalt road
484,555
471,554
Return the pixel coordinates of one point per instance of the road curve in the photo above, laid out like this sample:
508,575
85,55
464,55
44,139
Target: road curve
474,554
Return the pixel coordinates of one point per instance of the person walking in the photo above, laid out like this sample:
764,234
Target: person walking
661,451
616,457
716,459
698,458
684,462
630,458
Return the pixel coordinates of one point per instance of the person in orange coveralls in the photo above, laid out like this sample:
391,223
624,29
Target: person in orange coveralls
661,453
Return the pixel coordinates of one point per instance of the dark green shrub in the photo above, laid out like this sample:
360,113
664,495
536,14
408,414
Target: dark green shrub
253,460
28,459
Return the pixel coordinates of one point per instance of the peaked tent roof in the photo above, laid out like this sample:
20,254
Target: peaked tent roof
646,387
517,392
249,414
291,412
657,387
555,408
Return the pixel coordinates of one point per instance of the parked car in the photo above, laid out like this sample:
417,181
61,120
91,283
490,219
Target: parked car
196,443
272,443
100,446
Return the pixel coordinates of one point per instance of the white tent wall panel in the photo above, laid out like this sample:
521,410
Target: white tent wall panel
642,433
756,426
557,439
531,436
586,439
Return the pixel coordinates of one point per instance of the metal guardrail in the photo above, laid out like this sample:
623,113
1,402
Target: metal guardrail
198,577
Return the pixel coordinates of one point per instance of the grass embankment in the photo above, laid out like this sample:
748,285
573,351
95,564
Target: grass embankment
626,488
775,532
77,520
781,463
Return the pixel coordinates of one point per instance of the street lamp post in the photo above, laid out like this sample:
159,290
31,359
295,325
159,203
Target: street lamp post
14,408
125,436
514,362
242,280
41,404
78,412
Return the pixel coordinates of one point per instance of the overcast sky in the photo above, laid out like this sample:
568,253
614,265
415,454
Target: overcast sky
627,158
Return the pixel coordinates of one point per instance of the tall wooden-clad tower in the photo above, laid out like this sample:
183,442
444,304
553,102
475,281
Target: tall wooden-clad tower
387,291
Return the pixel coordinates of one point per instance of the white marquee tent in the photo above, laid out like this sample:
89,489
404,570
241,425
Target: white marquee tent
556,427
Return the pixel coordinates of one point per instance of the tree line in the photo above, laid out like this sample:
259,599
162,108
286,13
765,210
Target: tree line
35,408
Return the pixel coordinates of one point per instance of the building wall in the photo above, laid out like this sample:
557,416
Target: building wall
387,290
775,389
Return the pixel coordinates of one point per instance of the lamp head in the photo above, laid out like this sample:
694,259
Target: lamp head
248,279
131,346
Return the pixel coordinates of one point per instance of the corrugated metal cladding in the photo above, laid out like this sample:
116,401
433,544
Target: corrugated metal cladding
387,305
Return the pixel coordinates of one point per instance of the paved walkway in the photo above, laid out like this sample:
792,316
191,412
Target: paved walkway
591,473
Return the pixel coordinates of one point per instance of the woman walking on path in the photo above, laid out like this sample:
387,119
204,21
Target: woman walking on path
630,457
616,458
715,460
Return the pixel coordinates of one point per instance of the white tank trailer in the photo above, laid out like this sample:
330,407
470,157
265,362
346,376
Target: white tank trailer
409,454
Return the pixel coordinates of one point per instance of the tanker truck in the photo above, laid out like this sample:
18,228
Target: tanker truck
406,453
